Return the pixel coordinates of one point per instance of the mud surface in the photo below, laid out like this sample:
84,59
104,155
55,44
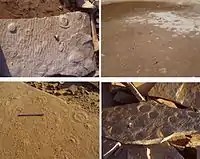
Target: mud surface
66,129
150,39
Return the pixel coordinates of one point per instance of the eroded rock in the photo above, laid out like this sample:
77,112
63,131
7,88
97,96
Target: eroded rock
142,152
31,49
124,98
188,94
154,151
152,122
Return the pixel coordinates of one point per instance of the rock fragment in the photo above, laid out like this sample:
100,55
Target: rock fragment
152,122
187,94
36,53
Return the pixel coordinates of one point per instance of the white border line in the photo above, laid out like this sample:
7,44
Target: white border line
151,79
102,79
100,89
100,121
99,38
49,79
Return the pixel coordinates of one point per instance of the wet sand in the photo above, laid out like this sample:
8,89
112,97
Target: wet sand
150,39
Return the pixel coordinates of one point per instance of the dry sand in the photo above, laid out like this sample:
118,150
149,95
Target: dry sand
65,131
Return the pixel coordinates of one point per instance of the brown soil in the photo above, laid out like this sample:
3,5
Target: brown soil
65,130
134,48
84,94
30,9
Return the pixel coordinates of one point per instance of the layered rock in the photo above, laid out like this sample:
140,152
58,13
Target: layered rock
57,45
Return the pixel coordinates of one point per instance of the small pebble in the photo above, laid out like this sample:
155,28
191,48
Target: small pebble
151,32
60,7
130,125
170,48
163,70
174,35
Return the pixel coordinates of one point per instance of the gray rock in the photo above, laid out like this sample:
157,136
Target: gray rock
124,98
152,122
188,94
47,46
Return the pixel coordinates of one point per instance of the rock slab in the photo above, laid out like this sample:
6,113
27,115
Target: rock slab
57,45
186,94
146,123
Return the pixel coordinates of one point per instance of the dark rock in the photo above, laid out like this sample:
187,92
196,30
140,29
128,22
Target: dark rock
138,152
107,97
154,151
124,98
151,122
198,152
159,151
164,151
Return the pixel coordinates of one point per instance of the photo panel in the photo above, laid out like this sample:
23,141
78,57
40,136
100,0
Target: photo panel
150,38
42,38
150,120
49,120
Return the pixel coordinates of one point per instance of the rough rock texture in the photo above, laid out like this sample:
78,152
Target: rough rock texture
141,152
185,93
47,46
155,151
164,151
146,123
198,152
124,98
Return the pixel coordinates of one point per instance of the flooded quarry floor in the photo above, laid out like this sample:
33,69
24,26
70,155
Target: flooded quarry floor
150,39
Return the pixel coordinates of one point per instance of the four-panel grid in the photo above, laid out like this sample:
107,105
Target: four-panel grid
90,79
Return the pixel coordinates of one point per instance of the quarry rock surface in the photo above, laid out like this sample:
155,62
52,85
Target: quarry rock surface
57,45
